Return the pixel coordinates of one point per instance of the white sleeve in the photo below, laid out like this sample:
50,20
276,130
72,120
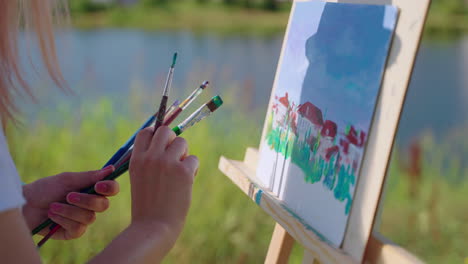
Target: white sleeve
11,194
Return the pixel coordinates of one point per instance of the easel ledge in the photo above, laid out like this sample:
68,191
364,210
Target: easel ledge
242,173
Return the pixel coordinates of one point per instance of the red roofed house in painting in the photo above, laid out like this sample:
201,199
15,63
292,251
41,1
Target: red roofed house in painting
309,121
281,111
327,139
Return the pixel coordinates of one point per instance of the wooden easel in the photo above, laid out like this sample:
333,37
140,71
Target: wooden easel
242,173
360,245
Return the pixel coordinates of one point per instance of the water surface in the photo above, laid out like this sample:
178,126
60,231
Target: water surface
111,63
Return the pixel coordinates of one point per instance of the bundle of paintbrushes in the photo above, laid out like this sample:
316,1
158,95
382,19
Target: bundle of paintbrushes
121,159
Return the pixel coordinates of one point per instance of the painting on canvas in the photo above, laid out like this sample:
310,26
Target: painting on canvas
324,97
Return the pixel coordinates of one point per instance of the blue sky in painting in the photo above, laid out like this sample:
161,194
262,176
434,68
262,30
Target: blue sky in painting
334,57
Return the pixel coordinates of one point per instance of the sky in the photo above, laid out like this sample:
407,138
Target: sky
334,57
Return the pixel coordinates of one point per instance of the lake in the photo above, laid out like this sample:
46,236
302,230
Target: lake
110,63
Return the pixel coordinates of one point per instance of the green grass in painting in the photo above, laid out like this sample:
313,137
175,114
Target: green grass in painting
314,167
224,226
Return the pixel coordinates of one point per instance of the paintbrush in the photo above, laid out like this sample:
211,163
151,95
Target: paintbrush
170,117
176,112
122,150
126,155
167,87
200,114
172,108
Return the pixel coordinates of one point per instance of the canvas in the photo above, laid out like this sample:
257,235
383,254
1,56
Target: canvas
323,100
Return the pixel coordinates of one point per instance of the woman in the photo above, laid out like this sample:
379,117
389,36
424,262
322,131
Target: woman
161,172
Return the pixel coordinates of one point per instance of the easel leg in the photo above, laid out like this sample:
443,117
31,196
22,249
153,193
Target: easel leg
280,246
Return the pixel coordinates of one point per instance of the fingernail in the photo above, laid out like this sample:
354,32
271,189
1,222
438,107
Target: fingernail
102,187
108,168
74,198
103,172
55,207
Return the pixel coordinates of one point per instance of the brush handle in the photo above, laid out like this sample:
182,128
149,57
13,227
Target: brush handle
174,114
114,175
129,142
43,225
161,113
48,236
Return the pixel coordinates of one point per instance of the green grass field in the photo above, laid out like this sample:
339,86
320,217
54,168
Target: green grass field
223,225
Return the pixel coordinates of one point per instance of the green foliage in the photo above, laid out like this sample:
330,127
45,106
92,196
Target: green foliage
229,2
271,5
87,6
451,6
153,3
187,16
447,18
433,224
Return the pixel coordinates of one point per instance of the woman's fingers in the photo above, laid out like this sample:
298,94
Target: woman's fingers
191,163
178,148
74,213
79,180
161,140
72,228
107,188
91,202
143,140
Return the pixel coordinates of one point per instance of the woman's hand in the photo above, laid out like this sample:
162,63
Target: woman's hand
161,176
45,199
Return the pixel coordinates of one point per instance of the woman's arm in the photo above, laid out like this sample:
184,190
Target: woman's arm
138,244
16,244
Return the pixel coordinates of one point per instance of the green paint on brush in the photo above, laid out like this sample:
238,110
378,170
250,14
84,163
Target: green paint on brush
217,101
177,130
174,60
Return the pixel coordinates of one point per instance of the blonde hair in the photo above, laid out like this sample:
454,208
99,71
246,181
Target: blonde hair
36,16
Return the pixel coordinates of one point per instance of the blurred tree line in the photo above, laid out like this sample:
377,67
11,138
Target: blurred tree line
89,6
444,6
456,7
447,16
